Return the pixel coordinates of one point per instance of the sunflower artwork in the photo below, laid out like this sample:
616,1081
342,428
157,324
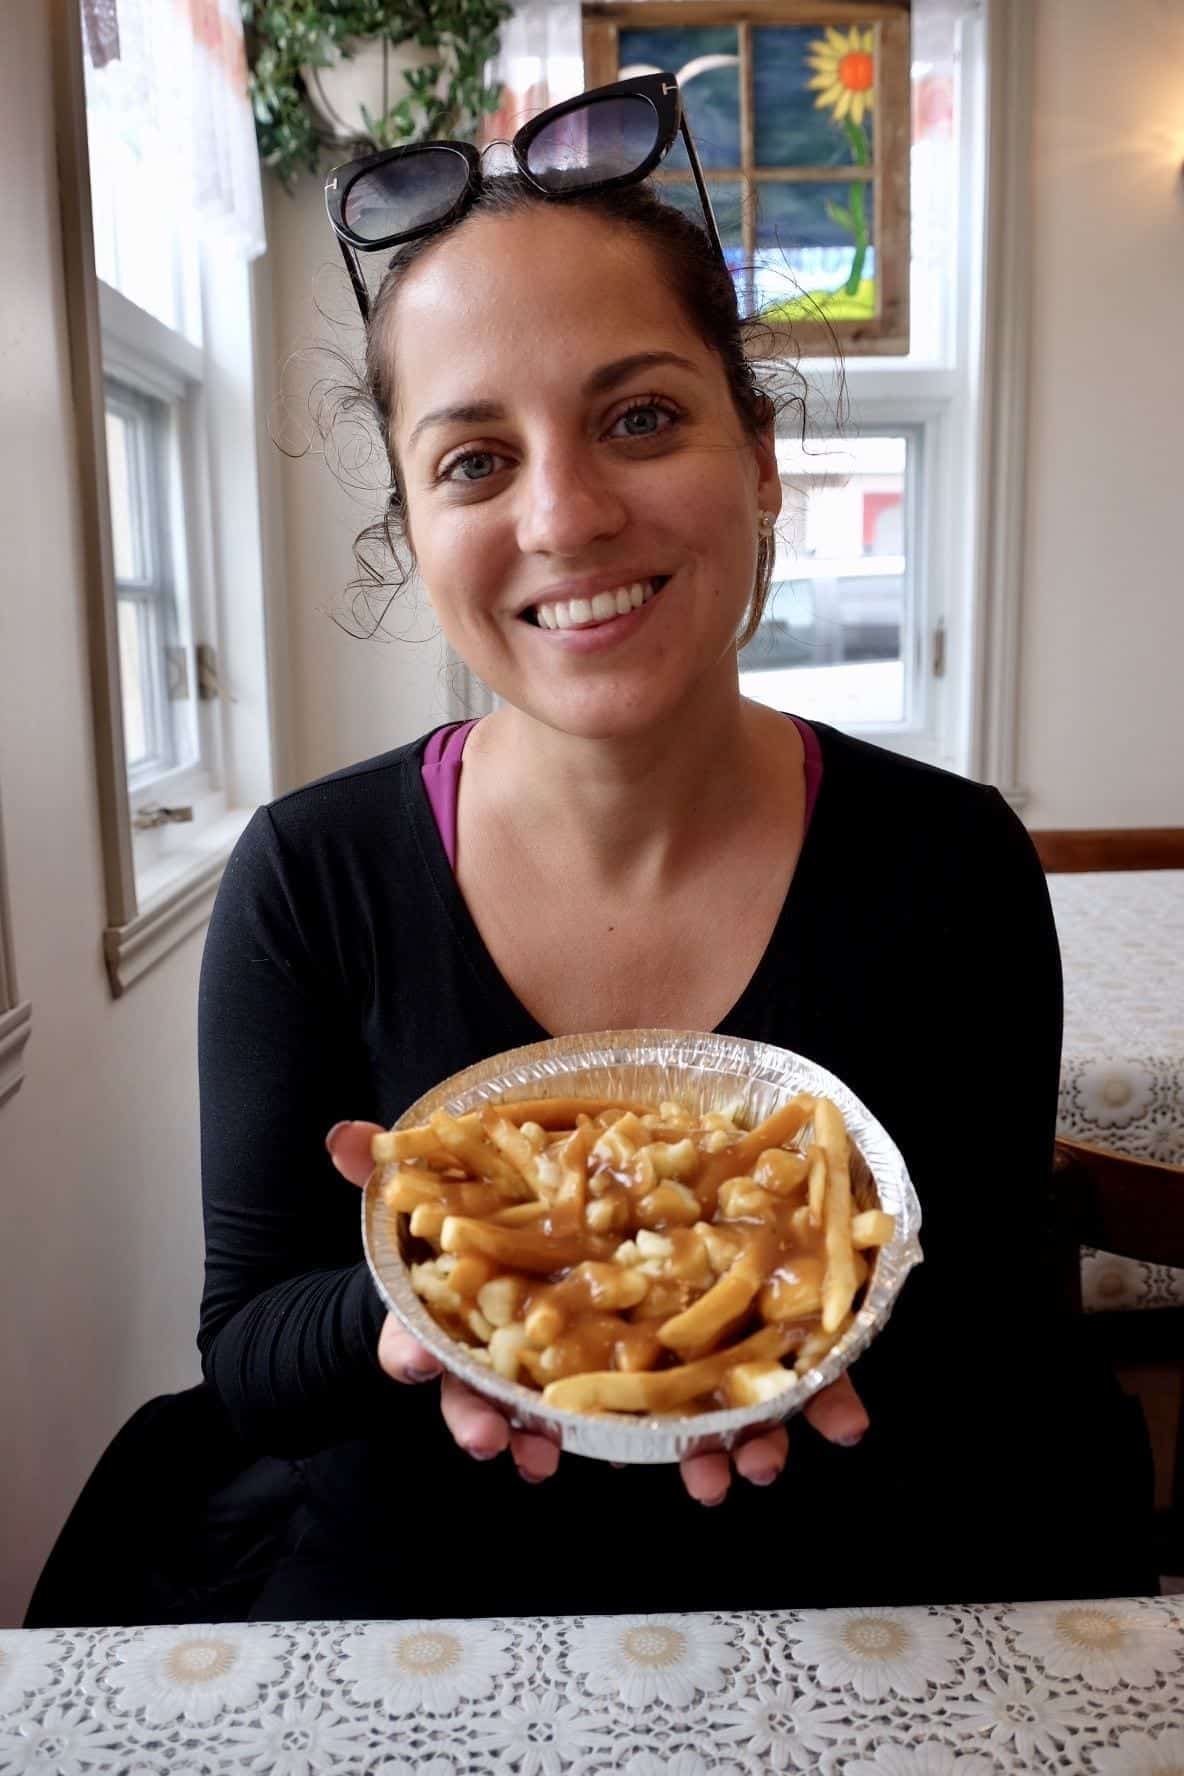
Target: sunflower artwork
843,77
801,115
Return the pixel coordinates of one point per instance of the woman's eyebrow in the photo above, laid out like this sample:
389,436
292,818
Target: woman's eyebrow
601,382
609,375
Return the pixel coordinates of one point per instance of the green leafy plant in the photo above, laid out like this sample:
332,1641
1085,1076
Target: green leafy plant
446,97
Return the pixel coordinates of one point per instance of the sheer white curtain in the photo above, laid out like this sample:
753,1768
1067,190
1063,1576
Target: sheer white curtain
541,61
170,120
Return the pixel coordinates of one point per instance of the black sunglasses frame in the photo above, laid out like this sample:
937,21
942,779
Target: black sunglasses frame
661,90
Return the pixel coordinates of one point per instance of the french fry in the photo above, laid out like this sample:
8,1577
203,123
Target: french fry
408,1189
427,1221
838,1284
519,1214
573,1168
742,1155
706,1320
536,1169
478,1154
516,1248
871,1228
656,1390
816,1186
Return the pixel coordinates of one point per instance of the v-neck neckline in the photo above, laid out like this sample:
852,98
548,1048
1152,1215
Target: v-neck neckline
499,994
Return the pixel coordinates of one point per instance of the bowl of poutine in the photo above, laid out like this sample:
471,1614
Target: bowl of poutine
642,1243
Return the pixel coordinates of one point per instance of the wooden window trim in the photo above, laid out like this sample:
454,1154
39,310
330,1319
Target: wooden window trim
888,334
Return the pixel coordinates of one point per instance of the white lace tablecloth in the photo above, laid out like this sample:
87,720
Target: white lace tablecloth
872,1692
1122,1074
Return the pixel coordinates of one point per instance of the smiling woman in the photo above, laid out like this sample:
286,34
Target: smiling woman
582,471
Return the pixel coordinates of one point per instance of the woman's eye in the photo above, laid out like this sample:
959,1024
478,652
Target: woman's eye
645,420
475,465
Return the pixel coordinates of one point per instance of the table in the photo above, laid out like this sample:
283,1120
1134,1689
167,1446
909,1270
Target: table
1122,1074
1096,1688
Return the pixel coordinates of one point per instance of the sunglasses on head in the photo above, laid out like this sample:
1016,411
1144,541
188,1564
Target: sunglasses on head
612,136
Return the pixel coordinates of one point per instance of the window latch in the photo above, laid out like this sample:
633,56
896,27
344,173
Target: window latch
939,648
144,819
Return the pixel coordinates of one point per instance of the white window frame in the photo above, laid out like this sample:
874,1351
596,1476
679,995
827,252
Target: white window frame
160,883
973,417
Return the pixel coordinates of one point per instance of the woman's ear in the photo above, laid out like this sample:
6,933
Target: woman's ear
768,486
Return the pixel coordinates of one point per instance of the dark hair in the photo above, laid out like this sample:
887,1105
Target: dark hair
696,278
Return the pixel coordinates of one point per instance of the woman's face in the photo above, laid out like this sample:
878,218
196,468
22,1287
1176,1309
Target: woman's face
581,496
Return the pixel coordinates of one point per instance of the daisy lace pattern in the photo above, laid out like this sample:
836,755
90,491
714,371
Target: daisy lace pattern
1093,1688
1122,1077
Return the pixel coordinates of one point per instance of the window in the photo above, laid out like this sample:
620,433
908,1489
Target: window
841,636
154,639
874,622
161,215
800,115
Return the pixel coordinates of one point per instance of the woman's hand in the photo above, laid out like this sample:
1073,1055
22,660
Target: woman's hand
479,1428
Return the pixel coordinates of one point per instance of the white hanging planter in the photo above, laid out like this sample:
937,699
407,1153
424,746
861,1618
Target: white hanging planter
368,78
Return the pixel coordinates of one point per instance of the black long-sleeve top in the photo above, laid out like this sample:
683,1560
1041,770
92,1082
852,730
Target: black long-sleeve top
915,956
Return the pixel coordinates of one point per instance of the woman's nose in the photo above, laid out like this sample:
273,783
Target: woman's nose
565,505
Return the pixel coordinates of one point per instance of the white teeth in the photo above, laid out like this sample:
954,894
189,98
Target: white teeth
577,613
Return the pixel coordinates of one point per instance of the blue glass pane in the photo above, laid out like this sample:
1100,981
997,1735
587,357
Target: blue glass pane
790,127
710,93
815,241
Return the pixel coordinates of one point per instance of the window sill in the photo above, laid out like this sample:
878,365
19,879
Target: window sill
178,898
15,1028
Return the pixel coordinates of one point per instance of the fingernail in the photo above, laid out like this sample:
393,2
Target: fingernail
764,1476
849,1441
531,1479
717,1500
426,1374
482,1455
331,1137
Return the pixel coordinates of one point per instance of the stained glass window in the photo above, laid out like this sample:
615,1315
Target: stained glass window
802,127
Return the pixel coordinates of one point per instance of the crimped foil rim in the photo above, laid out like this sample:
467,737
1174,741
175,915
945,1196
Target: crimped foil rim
653,1065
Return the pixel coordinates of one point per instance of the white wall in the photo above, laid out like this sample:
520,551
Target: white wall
1102,715
100,1249
349,698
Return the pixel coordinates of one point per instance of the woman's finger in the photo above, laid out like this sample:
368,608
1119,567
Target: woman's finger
536,1458
706,1477
762,1458
838,1413
477,1426
402,1357
348,1145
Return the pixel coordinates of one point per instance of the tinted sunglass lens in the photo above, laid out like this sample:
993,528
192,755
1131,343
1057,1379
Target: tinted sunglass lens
412,191
604,140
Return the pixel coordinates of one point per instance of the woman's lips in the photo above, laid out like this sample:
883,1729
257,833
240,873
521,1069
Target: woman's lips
591,637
